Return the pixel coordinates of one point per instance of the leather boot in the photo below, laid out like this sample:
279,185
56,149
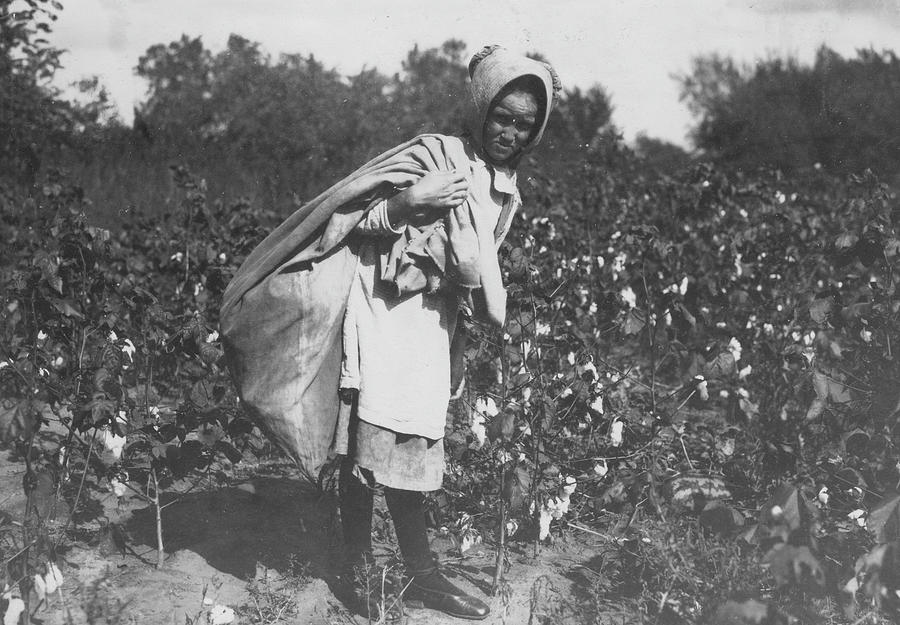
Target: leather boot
438,593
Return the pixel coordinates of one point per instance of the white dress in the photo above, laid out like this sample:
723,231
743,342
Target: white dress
397,349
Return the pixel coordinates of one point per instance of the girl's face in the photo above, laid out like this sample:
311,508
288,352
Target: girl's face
509,125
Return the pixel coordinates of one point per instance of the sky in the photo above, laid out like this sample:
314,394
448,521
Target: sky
633,48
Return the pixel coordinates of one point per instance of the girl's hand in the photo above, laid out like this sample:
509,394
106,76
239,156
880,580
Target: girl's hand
429,199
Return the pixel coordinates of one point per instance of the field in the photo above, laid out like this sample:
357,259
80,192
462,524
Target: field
690,416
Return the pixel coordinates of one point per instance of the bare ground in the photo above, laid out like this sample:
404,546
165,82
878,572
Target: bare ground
269,548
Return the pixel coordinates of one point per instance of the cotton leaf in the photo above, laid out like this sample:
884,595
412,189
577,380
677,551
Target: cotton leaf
845,240
884,521
820,385
819,310
749,612
633,323
790,564
720,518
787,505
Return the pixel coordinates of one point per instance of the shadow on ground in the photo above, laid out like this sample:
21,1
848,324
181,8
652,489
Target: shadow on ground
283,525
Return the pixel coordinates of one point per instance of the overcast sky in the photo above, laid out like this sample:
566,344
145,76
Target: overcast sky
631,47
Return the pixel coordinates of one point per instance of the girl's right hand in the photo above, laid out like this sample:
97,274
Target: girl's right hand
429,199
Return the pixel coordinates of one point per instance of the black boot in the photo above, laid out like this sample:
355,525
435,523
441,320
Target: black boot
356,501
361,586
438,593
427,584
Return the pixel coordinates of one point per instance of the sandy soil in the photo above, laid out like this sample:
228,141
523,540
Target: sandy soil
268,549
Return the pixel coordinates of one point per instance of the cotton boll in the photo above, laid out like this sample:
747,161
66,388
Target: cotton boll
14,610
615,433
544,523
112,442
734,346
478,430
629,296
40,587
221,615
588,367
118,487
53,579
487,406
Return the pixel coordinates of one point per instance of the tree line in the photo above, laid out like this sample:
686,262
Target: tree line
282,128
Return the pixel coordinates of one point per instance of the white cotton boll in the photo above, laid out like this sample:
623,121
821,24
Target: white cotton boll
14,610
112,442
569,486
743,373
566,392
213,337
597,404
526,394
728,447
478,430
865,335
40,587
601,468
544,523
703,390
221,615
469,539
571,358
823,495
734,346
53,578
118,487
487,406
557,507
129,349
628,296
587,367
542,329
615,433
41,335
113,337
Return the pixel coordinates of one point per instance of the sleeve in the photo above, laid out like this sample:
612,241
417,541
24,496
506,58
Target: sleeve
376,222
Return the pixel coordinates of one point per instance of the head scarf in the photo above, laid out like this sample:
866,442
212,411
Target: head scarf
492,69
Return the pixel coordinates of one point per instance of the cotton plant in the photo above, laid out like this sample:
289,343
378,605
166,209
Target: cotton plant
556,507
